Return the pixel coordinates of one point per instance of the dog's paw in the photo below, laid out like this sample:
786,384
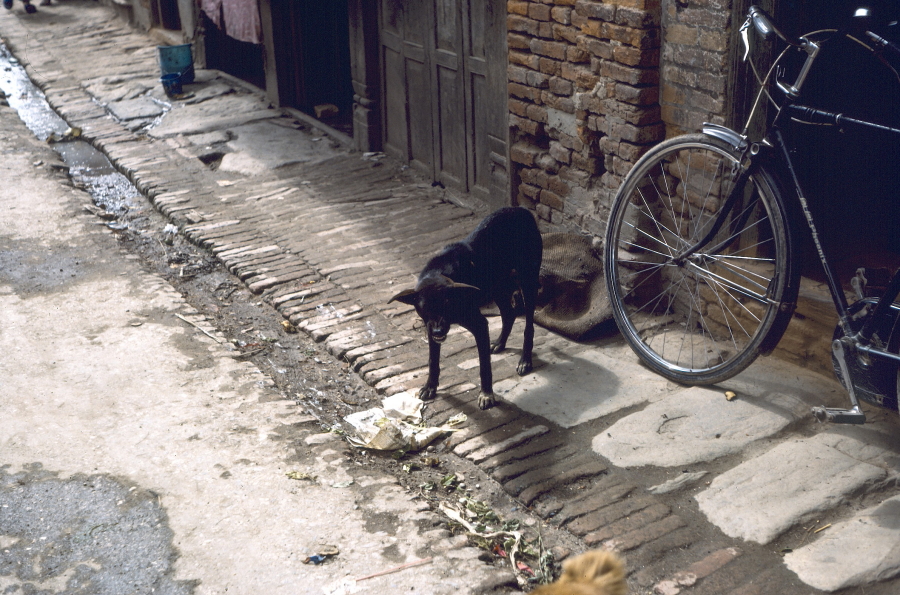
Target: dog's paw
524,368
427,393
486,400
497,347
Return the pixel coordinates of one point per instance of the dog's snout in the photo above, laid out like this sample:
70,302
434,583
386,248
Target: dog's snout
437,330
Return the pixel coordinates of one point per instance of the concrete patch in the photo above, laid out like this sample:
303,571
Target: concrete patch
134,109
572,389
211,115
697,424
856,552
765,496
263,146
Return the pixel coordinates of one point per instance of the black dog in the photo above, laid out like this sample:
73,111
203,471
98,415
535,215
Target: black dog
500,258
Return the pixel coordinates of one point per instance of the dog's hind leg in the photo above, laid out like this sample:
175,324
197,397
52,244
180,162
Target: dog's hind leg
529,295
508,316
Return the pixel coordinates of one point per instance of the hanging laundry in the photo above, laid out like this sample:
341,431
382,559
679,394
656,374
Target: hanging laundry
238,18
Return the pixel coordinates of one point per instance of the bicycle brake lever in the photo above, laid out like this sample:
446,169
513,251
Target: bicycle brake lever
745,38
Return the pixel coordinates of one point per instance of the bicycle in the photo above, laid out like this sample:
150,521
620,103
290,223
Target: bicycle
701,251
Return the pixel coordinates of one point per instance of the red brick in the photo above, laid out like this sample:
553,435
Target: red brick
561,86
604,11
537,113
516,41
626,74
592,165
548,66
518,107
560,153
635,56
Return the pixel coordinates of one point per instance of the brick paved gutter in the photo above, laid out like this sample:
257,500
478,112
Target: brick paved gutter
328,243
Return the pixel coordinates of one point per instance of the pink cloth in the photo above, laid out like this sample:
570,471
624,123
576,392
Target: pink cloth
241,18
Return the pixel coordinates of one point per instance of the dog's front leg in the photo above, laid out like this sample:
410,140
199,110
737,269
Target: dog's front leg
429,391
483,342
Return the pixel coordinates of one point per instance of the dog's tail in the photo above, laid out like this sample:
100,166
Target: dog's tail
597,572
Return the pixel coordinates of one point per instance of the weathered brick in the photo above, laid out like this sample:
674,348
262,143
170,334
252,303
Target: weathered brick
632,17
711,82
560,153
560,86
526,59
637,134
607,515
548,66
551,49
537,113
576,55
635,56
670,93
538,80
597,47
567,33
563,104
633,114
552,200
632,522
532,192
547,163
604,11
535,177
551,478
524,153
561,14
539,12
522,24
715,40
518,107
544,212
706,17
592,165
517,74
627,74
639,38
516,41
684,34
558,185
639,537
630,152
517,7
545,29
525,125
637,95
524,91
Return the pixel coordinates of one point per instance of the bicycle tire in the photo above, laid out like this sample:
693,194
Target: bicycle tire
708,318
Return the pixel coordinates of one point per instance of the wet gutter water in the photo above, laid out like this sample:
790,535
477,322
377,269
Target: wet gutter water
88,167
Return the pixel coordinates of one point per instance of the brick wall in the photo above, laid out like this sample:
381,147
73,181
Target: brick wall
594,83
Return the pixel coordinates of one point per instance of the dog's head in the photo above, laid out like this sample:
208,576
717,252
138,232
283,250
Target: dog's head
438,301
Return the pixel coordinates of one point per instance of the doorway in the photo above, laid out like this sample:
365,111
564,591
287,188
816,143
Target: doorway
444,89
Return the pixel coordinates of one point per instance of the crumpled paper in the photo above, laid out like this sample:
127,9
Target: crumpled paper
393,426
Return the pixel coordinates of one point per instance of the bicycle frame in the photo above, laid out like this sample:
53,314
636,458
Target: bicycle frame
774,150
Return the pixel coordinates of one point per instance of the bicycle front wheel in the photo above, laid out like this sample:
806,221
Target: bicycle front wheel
698,319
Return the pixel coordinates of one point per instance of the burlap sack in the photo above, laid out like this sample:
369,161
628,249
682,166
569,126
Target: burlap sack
572,300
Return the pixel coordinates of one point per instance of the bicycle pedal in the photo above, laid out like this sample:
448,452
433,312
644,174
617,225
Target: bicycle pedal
839,416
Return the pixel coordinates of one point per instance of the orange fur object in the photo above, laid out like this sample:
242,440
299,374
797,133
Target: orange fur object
597,572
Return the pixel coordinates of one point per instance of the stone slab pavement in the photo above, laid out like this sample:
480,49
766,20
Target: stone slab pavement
328,236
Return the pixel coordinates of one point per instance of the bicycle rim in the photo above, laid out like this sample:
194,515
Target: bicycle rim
700,320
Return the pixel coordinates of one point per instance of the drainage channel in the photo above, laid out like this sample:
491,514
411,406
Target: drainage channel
88,167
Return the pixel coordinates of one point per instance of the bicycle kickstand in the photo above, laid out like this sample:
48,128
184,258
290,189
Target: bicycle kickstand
854,415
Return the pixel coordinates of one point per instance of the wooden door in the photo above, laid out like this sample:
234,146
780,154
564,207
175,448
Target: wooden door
444,88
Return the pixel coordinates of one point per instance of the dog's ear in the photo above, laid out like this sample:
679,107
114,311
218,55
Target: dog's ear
407,296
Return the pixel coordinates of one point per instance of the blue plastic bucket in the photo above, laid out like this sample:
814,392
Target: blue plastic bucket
171,83
177,59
